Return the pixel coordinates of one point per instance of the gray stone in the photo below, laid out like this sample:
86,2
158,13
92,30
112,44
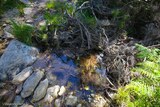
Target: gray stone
23,75
18,101
52,93
28,10
27,105
98,101
40,91
48,98
62,91
57,103
7,32
42,23
31,83
19,88
71,100
17,56
79,105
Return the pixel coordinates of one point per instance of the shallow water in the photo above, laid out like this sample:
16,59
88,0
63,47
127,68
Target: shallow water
62,70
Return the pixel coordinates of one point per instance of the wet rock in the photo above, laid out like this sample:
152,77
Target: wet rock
48,98
31,83
57,103
98,101
16,57
52,78
62,91
19,88
18,101
23,75
52,93
27,105
71,100
40,91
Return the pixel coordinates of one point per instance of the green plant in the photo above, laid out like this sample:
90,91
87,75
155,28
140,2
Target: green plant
22,32
9,4
57,18
144,90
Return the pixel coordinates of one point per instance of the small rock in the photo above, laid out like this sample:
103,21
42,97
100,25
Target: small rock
62,91
79,105
48,98
53,91
7,33
52,78
57,103
98,101
27,105
40,91
31,83
71,100
18,101
42,23
23,75
19,88
29,21
27,11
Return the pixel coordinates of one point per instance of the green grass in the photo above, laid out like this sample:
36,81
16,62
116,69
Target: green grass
22,32
144,90
10,4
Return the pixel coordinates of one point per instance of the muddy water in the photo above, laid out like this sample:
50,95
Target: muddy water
62,70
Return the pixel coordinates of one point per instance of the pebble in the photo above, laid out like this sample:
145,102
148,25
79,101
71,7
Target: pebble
23,75
18,101
40,91
71,100
62,91
19,88
31,83
27,10
48,98
53,91
57,103
27,105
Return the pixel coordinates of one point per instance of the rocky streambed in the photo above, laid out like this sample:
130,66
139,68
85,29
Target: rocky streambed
31,79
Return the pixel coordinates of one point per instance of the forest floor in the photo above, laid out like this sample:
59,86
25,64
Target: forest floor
104,53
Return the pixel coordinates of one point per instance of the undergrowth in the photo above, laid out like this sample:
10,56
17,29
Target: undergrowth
10,4
23,32
144,89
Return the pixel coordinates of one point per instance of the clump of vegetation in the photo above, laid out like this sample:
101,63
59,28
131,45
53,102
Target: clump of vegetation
57,18
23,32
144,88
9,4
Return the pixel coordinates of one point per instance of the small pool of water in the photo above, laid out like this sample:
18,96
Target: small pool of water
62,70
